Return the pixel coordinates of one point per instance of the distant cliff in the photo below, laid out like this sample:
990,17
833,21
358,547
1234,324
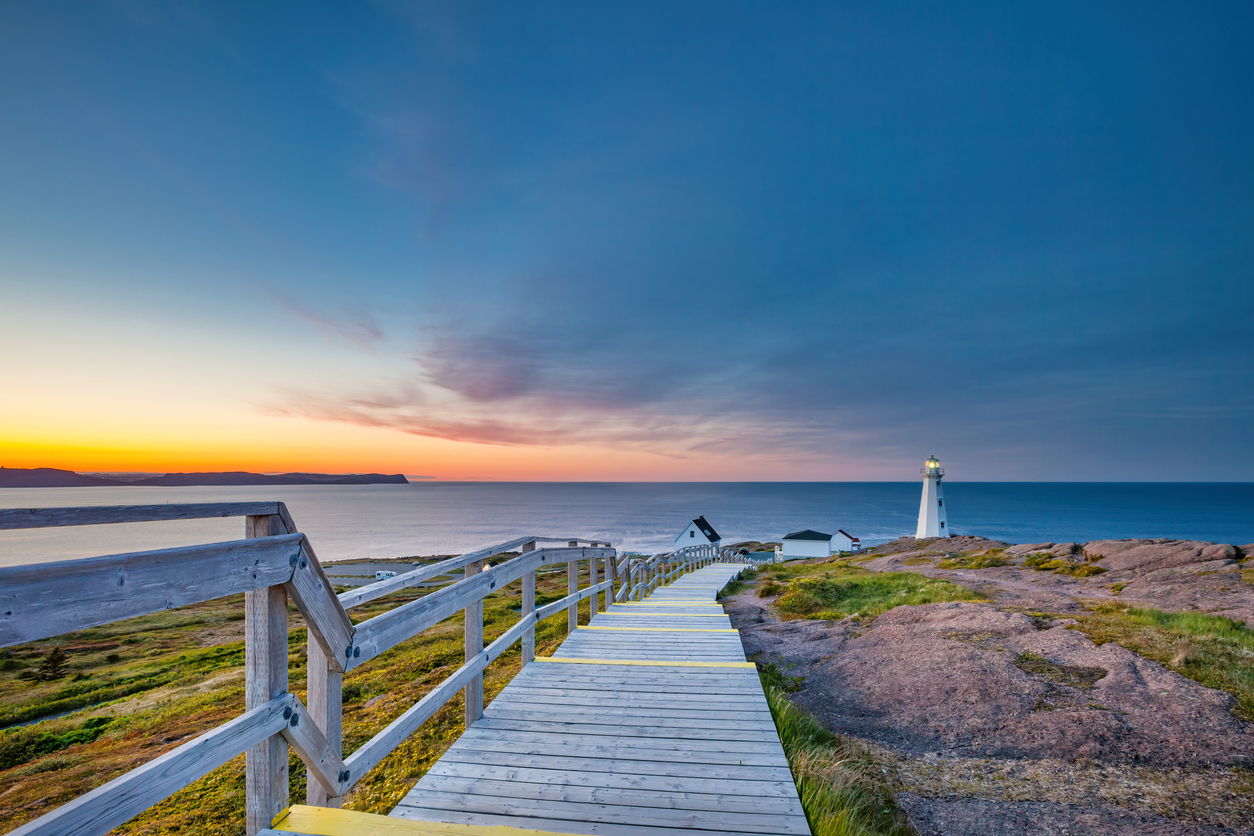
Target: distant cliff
239,477
48,477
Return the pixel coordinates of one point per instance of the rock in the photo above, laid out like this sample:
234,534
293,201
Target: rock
1029,548
1065,549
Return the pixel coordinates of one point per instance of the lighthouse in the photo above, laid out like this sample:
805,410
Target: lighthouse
932,506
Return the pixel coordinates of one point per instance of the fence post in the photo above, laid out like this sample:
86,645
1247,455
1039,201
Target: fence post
528,607
265,677
572,583
593,599
326,690
474,646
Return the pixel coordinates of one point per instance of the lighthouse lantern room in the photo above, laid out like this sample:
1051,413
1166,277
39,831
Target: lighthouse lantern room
932,506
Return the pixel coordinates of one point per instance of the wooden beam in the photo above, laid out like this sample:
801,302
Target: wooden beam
11,518
47,599
326,710
265,678
389,629
321,758
473,647
312,593
572,585
381,745
528,609
112,804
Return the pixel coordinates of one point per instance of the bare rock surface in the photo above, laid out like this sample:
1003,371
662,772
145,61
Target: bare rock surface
999,719
979,817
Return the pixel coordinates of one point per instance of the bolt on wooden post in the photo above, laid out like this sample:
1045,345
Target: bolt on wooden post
265,677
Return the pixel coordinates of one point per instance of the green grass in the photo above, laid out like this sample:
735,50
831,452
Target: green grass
842,791
840,590
737,584
975,560
1219,652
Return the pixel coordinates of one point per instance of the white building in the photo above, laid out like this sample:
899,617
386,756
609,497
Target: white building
932,505
808,543
843,541
698,533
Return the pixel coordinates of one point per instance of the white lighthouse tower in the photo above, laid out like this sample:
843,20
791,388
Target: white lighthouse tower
932,506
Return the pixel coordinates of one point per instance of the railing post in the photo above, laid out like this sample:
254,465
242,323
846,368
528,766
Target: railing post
593,599
474,646
265,677
528,607
325,691
572,583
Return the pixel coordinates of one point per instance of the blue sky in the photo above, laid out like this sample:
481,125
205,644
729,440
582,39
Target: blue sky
698,240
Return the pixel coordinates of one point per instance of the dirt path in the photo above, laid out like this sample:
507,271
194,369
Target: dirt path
994,720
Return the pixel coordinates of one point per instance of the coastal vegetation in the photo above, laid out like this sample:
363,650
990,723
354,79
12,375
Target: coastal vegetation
146,685
1211,650
842,788
838,589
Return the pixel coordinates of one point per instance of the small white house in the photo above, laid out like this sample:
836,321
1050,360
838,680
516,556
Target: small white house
808,543
843,541
698,533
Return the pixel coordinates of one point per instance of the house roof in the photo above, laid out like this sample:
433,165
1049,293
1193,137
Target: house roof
809,534
707,529
846,533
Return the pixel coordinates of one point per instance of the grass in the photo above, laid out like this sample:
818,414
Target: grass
842,791
179,673
1045,562
838,590
736,584
1219,652
975,560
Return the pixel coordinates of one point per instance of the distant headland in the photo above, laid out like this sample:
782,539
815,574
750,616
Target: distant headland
49,477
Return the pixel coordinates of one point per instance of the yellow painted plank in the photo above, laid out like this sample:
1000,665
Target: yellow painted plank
324,821
668,604
665,629
666,615
569,661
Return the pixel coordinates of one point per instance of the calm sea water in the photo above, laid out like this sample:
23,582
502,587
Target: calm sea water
351,522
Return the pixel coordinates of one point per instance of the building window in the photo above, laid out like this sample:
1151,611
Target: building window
942,523
692,534
940,502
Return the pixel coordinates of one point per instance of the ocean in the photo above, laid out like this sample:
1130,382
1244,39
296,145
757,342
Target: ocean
381,521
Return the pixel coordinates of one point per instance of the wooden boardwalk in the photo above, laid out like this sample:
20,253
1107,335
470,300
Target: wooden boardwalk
649,721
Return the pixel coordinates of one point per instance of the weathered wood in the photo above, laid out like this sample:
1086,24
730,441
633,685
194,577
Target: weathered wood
592,582
47,599
572,585
322,760
13,518
382,744
265,678
550,610
395,626
354,597
528,609
313,595
473,647
108,806
325,692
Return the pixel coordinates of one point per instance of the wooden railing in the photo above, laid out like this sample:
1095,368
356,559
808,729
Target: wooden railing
644,573
275,563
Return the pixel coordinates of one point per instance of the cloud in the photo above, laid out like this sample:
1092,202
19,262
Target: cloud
358,327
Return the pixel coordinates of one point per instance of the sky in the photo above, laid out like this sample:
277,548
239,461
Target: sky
629,241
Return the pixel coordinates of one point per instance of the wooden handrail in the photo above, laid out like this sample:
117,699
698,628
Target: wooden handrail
13,518
274,563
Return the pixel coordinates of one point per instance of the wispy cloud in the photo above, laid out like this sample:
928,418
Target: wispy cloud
356,327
